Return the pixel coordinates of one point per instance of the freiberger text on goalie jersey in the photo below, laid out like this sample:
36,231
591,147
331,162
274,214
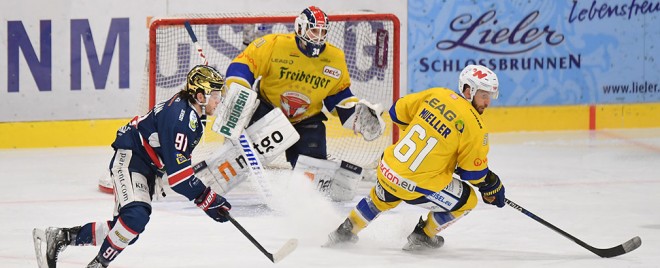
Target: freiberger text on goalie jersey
436,124
299,85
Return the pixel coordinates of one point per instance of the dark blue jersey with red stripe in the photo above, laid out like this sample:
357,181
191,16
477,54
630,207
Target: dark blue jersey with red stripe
164,138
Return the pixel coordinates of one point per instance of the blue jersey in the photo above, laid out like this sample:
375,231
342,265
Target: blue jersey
164,139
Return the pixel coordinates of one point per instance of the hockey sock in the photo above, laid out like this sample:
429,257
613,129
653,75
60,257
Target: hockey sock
363,214
128,225
438,221
92,233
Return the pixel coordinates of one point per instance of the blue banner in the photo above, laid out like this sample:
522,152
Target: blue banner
543,52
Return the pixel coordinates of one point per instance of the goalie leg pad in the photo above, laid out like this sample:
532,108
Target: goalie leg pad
272,135
320,171
339,181
224,170
346,181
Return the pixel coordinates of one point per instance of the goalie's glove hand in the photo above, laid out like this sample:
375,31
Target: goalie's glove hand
362,117
369,121
492,190
213,204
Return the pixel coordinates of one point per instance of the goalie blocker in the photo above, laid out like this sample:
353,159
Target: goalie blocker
238,105
337,180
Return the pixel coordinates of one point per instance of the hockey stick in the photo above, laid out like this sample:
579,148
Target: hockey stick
257,171
284,251
256,168
621,249
194,40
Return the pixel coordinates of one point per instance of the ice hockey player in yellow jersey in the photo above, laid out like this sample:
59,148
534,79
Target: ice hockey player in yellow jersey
299,73
443,133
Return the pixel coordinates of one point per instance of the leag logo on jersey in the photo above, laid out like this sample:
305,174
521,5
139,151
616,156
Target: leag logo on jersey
332,72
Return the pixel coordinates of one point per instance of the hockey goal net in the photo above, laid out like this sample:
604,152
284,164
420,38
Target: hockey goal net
370,42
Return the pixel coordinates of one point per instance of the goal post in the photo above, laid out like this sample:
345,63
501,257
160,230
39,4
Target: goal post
370,42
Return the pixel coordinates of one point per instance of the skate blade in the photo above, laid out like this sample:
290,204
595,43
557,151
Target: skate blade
411,247
336,244
38,236
417,248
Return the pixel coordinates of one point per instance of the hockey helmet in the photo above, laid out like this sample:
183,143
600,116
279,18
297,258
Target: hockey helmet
311,28
478,77
206,78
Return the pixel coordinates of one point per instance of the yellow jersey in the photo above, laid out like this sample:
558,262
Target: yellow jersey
297,84
442,134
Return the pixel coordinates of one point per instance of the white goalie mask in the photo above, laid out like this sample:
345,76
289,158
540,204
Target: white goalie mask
311,27
478,77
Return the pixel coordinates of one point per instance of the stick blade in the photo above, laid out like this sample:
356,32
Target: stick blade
624,248
285,250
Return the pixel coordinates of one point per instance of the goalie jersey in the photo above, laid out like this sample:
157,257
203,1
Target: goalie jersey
164,139
442,134
297,84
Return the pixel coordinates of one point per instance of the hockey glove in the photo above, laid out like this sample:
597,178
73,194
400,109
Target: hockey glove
492,190
362,117
213,204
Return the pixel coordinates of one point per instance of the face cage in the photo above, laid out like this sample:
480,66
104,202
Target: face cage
318,40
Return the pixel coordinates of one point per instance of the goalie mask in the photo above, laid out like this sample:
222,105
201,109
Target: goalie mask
478,78
205,79
311,28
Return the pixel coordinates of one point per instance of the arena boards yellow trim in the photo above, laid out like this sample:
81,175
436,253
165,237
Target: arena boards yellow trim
74,133
573,117
101,132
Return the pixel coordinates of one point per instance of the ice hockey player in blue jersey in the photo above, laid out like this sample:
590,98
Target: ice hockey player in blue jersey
149,146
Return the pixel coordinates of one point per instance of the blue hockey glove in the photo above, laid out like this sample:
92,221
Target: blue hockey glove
213,204
492,190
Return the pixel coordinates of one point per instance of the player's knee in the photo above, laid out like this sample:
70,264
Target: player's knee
135,216
382,199
471,201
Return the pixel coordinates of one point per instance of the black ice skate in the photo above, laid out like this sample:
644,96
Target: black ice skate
418,240
342,235
57,239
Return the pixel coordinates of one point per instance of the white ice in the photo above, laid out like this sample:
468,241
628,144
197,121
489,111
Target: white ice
602,187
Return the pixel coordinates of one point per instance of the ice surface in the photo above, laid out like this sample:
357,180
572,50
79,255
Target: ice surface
601,187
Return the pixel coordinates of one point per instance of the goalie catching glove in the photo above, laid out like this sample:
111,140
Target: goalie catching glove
362,117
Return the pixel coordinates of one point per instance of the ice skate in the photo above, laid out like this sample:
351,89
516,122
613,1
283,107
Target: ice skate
95,263
418,240
57,239
342,235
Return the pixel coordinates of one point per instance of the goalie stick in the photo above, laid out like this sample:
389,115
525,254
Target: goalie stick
256,168
621,249
284,251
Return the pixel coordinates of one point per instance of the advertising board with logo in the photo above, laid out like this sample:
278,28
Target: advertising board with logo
543,52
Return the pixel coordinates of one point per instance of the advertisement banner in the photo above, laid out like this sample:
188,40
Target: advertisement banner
543,52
